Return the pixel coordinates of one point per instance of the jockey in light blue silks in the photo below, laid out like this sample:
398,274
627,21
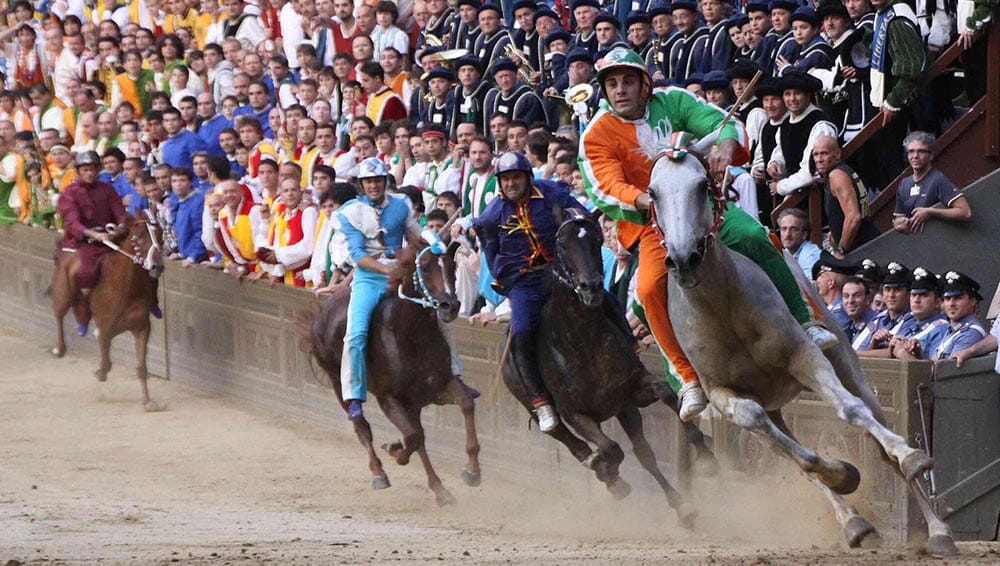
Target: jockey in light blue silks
374,225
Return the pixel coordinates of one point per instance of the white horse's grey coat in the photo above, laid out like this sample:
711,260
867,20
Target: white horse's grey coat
753,357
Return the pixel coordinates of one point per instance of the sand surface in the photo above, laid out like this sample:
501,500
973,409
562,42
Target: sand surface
86,476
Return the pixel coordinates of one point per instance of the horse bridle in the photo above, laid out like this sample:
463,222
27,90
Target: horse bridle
720,193
426,299
145,262
563,276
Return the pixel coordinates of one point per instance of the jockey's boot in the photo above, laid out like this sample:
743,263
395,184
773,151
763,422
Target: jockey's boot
821,336
81,329
693,401
354,410
547,417
472,392
156,312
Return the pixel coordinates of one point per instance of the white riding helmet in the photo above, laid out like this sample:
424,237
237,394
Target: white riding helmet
372,167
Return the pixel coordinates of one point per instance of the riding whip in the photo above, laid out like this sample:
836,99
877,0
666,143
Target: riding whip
739,101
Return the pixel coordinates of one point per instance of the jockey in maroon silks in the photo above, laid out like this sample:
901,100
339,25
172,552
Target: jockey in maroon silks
87,207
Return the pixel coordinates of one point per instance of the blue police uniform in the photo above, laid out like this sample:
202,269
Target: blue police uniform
377,231
883,321
854,329
837,310
959,336
929,332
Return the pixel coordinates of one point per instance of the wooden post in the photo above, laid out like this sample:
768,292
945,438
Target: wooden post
816,213
991,143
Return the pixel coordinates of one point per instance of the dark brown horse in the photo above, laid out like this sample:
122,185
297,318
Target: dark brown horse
589,364
409,361
121,299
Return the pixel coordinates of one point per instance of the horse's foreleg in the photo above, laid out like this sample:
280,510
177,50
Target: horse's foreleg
939,539
364,432
413,434
813,371
141,337
631,422
749,414
856,528
608,457
61,294
104,342
471,474
441,494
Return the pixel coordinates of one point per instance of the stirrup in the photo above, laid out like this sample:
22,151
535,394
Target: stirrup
693,402
547,418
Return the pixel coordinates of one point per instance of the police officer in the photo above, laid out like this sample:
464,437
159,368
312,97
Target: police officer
929,323
895,319
961,303
517,234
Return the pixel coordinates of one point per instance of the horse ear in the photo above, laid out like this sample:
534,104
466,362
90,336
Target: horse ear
452,249
707,142
557,213
595,216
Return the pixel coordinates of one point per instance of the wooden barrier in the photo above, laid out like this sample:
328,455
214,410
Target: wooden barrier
242,340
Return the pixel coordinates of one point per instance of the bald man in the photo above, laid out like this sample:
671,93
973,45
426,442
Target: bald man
845,198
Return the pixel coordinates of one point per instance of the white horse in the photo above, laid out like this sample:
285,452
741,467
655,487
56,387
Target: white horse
753,357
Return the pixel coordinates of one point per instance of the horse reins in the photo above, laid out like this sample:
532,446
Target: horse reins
144,262
720,196
426,300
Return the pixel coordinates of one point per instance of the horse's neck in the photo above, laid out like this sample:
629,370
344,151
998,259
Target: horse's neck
717,271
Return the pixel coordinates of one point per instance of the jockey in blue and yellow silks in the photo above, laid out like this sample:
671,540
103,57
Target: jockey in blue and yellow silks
374,225
518,236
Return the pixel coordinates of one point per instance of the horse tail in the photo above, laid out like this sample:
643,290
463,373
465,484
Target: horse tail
304,323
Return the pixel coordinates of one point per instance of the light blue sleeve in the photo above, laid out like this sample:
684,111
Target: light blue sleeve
355,239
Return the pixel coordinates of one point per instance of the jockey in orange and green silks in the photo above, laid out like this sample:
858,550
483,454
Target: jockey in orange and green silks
616,170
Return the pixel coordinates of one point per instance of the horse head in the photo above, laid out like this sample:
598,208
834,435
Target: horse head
578,252
143,243
429,278
682,196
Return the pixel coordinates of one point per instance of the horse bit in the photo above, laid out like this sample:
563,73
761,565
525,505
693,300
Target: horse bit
146,262
426,299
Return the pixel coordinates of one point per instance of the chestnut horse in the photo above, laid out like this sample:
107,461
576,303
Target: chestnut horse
409,361
121,299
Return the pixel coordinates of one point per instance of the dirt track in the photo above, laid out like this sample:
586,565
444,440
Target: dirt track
86,476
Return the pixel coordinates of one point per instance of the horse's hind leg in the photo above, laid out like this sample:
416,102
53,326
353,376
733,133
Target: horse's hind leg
609,455
141,337
413,433
856,528
61,294
631,422
815,372
471,473
749,414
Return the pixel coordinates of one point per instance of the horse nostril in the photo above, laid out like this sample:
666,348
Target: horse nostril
701,247
671,264
695,260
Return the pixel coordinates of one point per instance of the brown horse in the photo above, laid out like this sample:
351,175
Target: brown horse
409,361
121,299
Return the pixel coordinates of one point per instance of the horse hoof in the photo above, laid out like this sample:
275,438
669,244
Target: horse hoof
58,353
593,460
706,466
849,482
151,407
914,464
471,479
940,546
686,514
444,497
380,482
101,376
857,530
619,488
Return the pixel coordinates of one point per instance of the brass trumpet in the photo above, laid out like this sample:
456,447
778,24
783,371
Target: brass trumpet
574,94
524,69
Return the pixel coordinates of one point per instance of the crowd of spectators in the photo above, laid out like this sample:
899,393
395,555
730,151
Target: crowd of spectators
241,125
